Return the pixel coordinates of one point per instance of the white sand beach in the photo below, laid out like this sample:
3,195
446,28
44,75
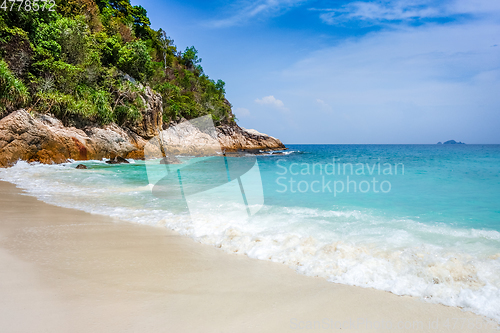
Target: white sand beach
64,270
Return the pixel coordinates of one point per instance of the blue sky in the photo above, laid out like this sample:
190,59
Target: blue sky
323,71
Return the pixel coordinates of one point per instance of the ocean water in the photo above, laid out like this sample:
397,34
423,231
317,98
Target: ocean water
419,220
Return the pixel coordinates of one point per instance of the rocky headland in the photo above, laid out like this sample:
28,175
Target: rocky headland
43,138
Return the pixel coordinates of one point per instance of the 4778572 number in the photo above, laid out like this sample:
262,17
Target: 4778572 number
28,6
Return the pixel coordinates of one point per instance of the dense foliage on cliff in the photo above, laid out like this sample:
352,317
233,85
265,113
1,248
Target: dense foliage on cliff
88,61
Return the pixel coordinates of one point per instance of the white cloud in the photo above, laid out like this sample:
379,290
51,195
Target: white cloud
404,10
380,11
323,105
272,101
243,11
241,112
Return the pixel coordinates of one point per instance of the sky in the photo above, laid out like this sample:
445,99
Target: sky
349,72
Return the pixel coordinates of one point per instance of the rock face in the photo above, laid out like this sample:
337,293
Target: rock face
234,138
187,139
43,138
152,119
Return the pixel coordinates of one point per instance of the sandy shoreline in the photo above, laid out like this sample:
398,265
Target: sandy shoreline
64,270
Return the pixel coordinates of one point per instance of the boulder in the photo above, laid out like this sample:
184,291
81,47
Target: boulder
234,138
187,139
117,160
81,166
170,160
44,139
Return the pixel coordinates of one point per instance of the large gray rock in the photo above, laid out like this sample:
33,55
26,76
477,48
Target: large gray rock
233,138
187,139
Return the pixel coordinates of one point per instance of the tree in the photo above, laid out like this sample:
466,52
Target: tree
190,57
141,22
134,59
65,38
220,87
165,43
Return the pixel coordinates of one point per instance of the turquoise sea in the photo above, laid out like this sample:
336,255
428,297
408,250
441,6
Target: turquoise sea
420,220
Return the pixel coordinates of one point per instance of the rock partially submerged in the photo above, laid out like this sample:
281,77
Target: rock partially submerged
170,160
81,166
117,160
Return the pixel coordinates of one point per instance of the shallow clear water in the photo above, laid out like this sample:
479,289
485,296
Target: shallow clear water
421,220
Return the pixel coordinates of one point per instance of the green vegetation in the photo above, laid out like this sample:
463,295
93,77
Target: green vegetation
12,91
88,62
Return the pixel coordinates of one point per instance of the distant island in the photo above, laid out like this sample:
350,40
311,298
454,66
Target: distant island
451,142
